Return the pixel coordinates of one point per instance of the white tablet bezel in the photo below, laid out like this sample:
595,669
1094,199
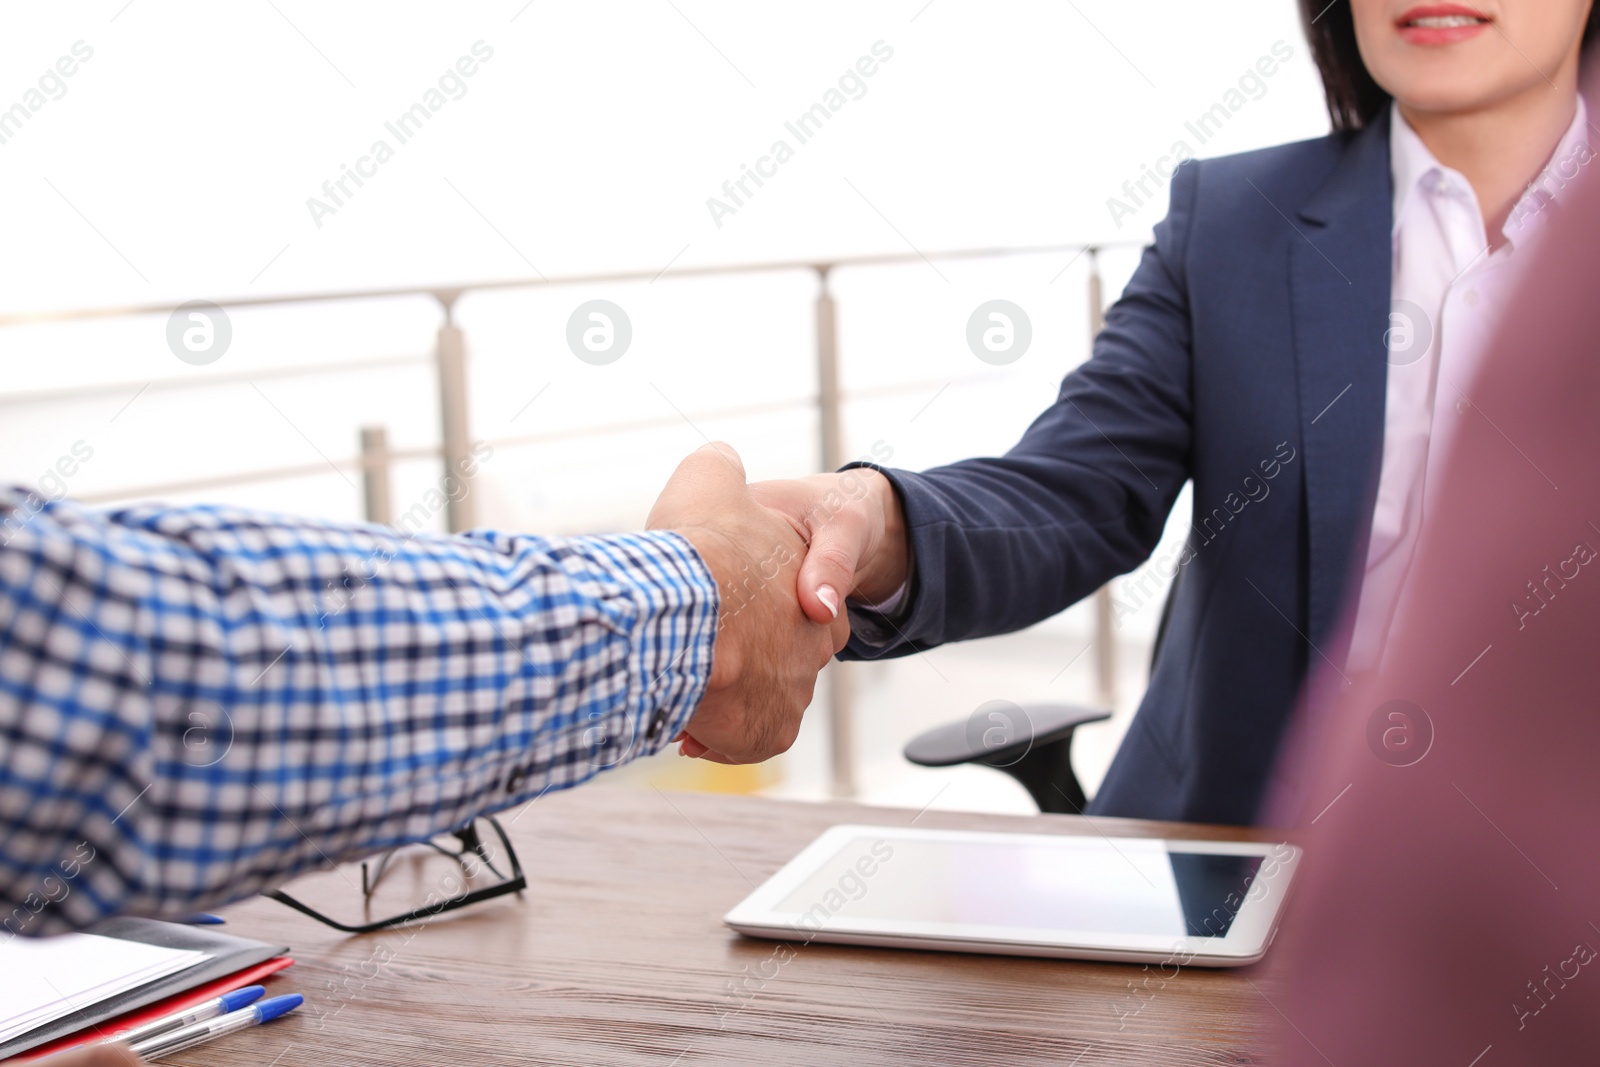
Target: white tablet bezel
1247,939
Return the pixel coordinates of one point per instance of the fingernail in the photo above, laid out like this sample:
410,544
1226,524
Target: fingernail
830,599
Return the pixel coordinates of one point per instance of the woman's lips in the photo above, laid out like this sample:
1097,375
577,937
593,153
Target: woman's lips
1440,24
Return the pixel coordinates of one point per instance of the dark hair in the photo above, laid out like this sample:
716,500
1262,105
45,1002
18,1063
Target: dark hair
1354,98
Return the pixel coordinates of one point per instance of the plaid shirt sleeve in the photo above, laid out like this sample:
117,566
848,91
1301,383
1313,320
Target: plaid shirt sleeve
197,703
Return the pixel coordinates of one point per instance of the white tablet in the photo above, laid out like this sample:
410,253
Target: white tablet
1134,899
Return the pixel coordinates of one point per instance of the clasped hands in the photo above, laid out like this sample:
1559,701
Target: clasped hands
785,555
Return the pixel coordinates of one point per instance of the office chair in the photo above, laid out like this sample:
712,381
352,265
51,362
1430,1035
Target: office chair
1032,743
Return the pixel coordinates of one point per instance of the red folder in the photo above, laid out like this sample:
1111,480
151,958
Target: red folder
189,998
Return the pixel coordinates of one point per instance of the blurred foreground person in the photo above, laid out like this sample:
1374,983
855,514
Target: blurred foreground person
1450,909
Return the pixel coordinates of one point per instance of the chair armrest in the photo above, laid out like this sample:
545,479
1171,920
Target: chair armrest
1032,744
996,735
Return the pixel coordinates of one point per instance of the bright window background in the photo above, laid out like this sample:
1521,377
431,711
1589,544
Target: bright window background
176,164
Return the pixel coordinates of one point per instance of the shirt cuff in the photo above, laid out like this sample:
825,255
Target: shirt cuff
882,623
675,626
890,605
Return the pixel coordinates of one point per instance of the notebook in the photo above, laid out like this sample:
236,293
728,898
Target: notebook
175,957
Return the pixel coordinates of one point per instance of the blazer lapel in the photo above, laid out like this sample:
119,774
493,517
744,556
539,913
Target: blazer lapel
1340,284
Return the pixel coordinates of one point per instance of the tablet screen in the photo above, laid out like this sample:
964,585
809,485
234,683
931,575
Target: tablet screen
1087,884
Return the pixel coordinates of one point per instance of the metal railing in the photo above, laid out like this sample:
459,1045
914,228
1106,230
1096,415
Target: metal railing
375,458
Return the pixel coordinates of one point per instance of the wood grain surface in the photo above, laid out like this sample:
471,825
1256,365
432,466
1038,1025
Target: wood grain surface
616,954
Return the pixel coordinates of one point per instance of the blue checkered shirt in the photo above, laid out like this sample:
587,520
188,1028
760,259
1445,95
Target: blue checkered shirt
196,703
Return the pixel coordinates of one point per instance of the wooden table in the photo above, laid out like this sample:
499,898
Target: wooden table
617,955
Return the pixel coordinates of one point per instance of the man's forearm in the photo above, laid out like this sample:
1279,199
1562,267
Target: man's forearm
210,701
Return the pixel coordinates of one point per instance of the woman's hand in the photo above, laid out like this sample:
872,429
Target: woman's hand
855,535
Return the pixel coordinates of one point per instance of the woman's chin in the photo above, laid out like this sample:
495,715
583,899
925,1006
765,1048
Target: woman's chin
1461,83
1454,93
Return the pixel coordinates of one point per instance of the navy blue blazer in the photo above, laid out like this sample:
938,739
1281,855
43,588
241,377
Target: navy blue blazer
1247,354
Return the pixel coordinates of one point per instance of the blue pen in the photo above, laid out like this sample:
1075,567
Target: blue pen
204,918
163,1045
211,1009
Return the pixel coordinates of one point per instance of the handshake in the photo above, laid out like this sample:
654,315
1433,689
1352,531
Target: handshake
785,556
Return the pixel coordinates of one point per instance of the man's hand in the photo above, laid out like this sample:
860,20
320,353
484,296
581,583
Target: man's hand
767,654
856,535
94,1056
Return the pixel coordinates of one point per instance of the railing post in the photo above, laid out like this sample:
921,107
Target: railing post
376,498
841,698
455,436
1105,645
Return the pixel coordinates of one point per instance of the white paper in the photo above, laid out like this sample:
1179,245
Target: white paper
44,979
